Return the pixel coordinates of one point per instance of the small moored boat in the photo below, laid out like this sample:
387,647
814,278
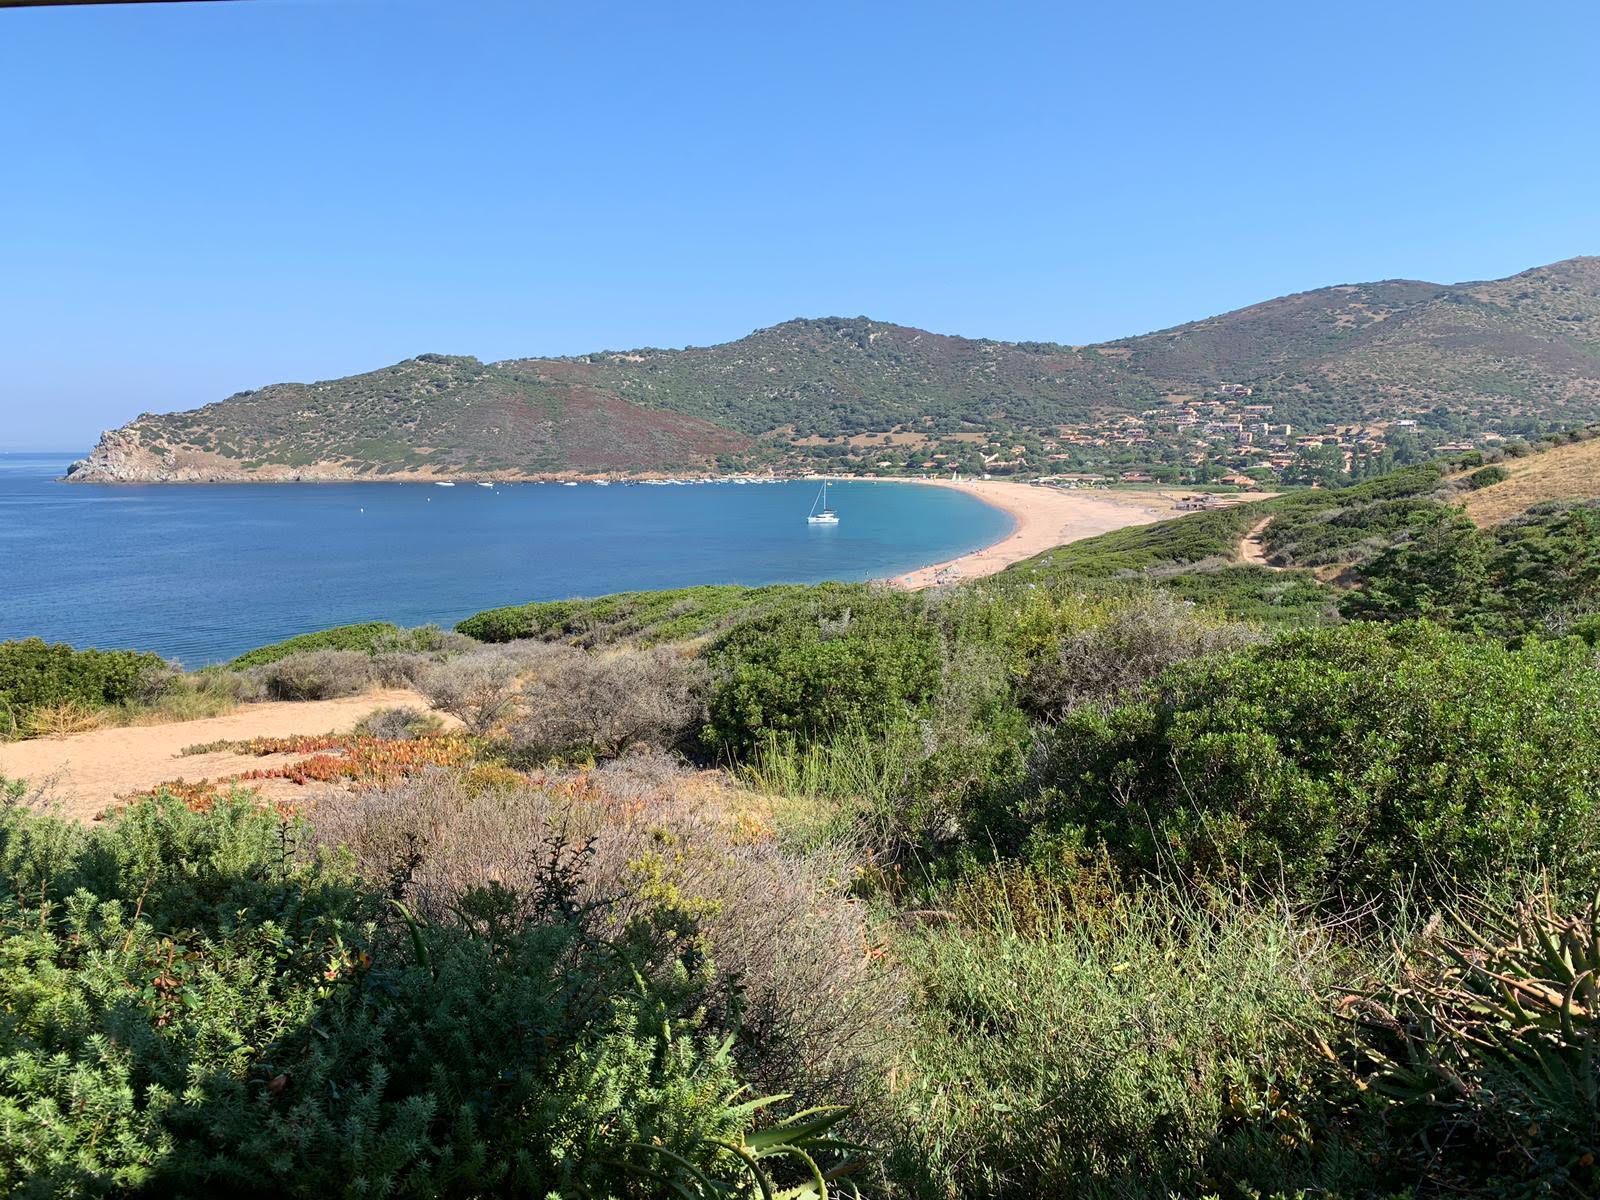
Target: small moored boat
821,514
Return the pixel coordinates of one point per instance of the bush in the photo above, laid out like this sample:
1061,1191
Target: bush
836,660
1140,548
779,930
316,675
1344,763
1487,477
399,724
193,1009
39,675
639,618
1130,646
371,637
1536,573
607,702
480,688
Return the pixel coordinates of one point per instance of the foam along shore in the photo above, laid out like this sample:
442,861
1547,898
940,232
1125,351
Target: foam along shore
1044,517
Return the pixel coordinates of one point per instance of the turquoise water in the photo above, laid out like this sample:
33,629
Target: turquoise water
203,572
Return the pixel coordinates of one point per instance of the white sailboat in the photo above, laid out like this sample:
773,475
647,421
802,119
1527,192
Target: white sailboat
821,514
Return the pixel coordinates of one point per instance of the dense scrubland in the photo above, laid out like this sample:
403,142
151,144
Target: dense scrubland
1130,872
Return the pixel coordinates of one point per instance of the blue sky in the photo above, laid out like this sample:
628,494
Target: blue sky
196,199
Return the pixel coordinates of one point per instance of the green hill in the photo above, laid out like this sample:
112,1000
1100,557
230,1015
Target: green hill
1514,354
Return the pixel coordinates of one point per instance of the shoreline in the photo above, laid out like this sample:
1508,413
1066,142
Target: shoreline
1042,519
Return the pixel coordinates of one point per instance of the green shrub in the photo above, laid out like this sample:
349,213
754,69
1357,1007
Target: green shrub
1138,548
35,674
316,675
1321,526
371,637
195,1009
1487,477
1264,595
838,658
1343,763
641,618
1537,573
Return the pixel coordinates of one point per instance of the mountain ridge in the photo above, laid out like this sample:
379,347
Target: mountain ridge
1477,356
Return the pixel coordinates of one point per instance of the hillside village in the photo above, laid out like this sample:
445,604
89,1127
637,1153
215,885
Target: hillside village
1227,436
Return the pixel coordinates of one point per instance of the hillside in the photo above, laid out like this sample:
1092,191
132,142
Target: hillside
1518,355
1565,473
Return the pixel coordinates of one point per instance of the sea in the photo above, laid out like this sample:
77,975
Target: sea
202,572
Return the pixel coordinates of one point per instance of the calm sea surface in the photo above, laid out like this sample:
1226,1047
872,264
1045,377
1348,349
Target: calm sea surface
203,572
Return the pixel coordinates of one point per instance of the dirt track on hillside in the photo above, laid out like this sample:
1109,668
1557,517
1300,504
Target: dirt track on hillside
1252,549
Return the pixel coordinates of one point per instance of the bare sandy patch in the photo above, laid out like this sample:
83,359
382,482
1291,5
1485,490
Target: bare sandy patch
84,773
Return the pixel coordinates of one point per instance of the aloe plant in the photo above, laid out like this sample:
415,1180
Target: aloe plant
1496,1030
745,1166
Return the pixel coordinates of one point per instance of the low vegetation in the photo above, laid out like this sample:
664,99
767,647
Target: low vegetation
370,638
55,689
52,689
1342,766
637,618
1133,872
197,1007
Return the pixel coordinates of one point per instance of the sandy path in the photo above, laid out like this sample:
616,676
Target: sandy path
85,772
1045,517
1252,549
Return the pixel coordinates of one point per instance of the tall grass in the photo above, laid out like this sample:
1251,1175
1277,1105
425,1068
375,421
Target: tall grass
850,790
1164,1045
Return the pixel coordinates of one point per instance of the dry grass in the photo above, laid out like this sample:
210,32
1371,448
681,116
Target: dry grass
1570,472
60,720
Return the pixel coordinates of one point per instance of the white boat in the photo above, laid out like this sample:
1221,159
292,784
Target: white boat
482,484
821,514
442,483
569,483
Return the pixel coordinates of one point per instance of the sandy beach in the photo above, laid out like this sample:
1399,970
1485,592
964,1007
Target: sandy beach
1044,517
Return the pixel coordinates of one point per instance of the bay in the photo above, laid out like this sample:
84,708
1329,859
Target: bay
203,572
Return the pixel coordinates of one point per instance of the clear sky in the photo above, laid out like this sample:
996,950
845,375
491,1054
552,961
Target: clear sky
200,198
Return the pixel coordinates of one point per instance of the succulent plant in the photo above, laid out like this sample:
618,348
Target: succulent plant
1492,1037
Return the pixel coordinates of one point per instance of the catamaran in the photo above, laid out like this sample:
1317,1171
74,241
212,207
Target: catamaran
821,514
